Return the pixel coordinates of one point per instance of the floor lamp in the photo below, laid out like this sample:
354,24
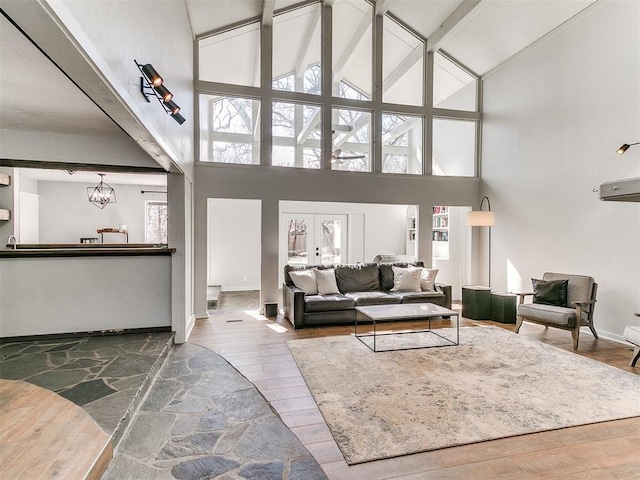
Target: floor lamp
483,218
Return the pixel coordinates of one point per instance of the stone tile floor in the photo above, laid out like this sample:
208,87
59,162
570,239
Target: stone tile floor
202,419
102,374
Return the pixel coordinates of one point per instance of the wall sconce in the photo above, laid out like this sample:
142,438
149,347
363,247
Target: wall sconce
483,218
101,194
625,147
152,84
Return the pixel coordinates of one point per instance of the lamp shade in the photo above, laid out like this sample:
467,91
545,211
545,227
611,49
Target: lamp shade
481,218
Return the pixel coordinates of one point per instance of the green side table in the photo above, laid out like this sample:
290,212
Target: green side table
503,307
476,302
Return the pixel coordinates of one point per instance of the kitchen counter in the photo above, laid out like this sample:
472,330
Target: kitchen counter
83,250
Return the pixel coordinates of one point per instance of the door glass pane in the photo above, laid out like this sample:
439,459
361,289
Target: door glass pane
331,237
297,253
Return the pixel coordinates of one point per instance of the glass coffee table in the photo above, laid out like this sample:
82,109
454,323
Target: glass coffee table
420,338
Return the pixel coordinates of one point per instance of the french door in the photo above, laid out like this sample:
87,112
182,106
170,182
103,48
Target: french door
312,239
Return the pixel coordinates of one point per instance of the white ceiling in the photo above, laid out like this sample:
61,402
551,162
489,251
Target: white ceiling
35,95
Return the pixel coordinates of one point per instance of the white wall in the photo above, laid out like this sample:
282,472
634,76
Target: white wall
83,294
553,118
66,214
234,243
156,32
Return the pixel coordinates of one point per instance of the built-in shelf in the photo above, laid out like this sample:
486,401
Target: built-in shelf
5,180
5,214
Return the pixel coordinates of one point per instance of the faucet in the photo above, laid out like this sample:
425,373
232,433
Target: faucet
14,242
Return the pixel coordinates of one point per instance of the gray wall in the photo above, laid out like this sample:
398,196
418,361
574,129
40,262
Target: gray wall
272,185
553,118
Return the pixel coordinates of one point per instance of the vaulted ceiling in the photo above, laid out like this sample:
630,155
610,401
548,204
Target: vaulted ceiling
480,34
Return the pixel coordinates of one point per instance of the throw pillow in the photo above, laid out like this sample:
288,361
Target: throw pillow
326,281
428,279
550,292
305,280
406,279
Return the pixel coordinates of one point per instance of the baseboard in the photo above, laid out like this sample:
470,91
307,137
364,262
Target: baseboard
102,333
609,336
190,324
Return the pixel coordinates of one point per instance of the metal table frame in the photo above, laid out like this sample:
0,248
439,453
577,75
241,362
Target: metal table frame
375,313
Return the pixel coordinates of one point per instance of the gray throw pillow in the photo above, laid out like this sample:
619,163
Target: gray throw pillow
550,292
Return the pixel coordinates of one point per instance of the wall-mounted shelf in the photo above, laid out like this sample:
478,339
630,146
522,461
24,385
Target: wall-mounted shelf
5,214
5,180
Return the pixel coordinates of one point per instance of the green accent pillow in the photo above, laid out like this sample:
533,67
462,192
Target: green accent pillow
550,292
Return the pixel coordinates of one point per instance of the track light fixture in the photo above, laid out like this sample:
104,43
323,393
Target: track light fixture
625,147
152,84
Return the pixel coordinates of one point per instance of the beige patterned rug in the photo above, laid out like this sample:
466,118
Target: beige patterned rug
496,384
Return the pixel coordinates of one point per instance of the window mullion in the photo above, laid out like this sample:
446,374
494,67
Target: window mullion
327,75
377,93
266,108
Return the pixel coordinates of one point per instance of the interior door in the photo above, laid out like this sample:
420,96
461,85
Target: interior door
330,243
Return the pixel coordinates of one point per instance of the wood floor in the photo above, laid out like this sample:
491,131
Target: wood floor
257,348
68,442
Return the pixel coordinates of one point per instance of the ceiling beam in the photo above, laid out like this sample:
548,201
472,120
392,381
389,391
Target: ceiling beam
267,11
450,23
382,6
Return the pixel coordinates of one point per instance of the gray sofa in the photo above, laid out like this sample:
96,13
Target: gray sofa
359,285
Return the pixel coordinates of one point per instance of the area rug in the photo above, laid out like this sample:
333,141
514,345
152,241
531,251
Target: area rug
495,384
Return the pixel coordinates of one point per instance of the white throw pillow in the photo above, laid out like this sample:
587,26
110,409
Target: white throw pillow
306,280
428,279
406,279
326,280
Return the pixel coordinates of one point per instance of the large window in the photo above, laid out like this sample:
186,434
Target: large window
320,99
454,147
402,65
350,130
232,56
352,38
296,135
229,129
296,50
401,144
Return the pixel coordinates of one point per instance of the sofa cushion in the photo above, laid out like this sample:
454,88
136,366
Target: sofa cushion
386,273
372,298
326,303
305,280
428,279
562,316
550,292
434,297
406,279
326,280
358,278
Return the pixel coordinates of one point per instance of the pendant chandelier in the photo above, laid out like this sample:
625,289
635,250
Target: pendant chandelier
101,194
